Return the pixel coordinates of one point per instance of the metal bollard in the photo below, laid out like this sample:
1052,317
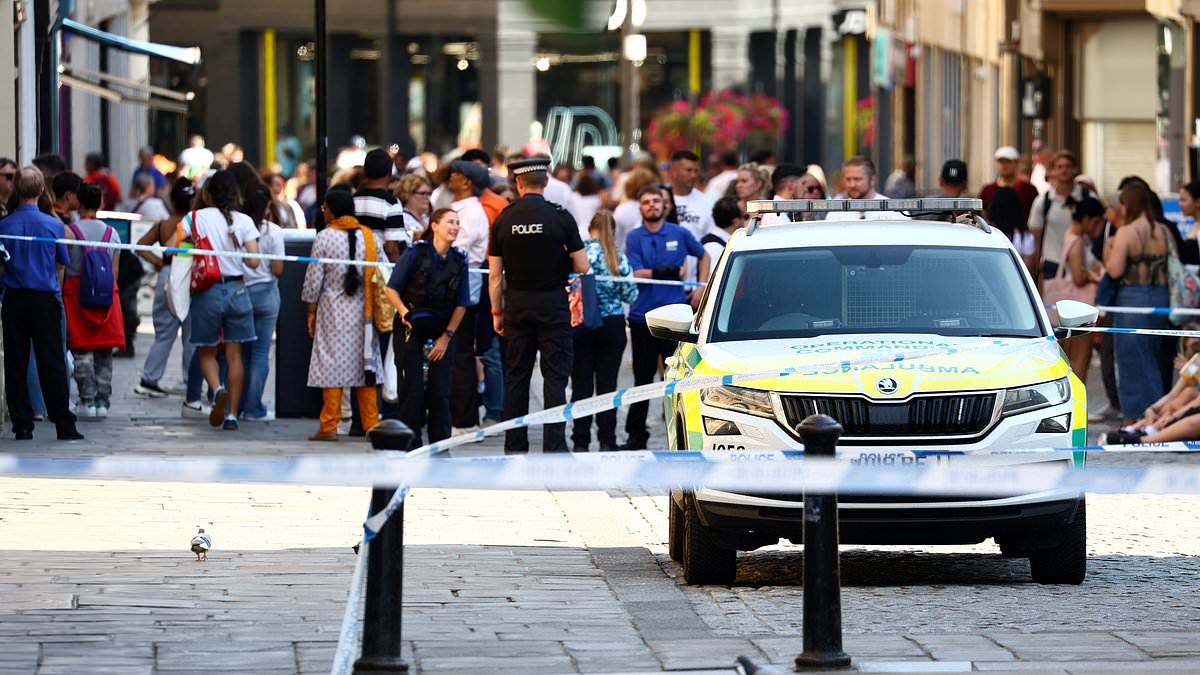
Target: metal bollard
822,574
381,641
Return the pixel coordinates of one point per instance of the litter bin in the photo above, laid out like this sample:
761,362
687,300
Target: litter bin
293,396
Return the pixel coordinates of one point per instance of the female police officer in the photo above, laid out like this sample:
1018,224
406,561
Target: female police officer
534,246
429,289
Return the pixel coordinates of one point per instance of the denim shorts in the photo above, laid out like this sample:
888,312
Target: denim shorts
224,306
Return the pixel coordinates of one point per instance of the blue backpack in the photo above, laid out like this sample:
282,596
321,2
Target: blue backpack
95,272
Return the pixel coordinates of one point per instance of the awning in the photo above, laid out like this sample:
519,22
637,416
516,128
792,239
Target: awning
188,55
101,84
104,92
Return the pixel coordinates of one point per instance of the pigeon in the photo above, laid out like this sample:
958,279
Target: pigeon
747,667
200,545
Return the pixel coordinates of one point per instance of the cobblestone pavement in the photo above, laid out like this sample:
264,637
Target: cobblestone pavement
95,577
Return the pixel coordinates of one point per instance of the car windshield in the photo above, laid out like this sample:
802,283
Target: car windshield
806,292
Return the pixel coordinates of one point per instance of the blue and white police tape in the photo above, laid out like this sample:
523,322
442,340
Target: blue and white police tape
348,633
603,402
645,392
159,250
1165,311
1161,332
767,474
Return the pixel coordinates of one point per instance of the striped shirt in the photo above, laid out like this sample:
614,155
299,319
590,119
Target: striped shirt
379,210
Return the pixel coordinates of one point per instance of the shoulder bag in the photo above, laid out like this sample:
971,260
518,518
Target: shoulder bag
206,269
1063,287
584,303
1184,283
178,290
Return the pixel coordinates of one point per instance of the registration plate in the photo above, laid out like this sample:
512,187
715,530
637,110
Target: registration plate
886,457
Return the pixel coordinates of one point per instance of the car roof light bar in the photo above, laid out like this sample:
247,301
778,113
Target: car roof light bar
924,205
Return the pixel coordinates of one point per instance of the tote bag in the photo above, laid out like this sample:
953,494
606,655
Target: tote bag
178,291
584,304
1062,287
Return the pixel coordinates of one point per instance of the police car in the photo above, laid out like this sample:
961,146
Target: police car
832,297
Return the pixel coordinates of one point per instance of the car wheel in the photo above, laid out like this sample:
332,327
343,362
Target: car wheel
703,561
676,531
1065,563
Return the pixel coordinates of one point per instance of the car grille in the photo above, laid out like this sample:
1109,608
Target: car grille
950,415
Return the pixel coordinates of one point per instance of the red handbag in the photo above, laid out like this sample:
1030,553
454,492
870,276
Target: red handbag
206,269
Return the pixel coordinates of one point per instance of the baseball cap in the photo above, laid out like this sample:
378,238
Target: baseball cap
473,172
1007,152
954,171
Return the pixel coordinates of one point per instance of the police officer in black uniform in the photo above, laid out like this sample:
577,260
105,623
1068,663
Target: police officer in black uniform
534,246
429,289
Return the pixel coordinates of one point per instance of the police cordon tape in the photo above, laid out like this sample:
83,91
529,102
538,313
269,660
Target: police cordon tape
348,632
159,250
1165,311
1161,332
645,392
766,472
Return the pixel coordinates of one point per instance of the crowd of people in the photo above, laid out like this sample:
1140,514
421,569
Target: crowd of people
439,346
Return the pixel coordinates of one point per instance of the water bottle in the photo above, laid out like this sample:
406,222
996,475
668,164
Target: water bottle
425,358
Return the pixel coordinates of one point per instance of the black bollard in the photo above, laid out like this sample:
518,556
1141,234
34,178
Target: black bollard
381,641
822,574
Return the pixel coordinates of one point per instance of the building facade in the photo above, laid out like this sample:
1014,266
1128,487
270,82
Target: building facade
439,75
1109,79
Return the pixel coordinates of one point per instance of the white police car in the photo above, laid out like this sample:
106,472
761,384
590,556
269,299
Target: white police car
831,295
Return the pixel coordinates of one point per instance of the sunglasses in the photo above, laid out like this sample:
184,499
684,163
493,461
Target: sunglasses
423,193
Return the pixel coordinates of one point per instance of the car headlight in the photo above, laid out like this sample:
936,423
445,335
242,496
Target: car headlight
1044,395
739,399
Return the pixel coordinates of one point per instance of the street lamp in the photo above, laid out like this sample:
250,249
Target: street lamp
628,16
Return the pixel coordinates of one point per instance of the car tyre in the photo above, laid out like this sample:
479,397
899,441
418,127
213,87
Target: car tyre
704,562
676,530
1065,563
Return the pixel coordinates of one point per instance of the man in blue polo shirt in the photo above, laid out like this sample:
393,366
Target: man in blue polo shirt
32,313
656,250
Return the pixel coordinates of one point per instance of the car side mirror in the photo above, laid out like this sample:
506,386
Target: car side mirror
1074,314
672,322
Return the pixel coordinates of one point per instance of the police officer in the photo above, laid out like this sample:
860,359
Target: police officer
534,246
429,289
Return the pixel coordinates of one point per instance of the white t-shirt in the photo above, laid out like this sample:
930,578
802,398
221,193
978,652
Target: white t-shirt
414,225
1056,222
197,158
627,217
718,185
472,229
776,218
712,248
271,242
582,209
694,211
212,224
152,208
558,192
865,215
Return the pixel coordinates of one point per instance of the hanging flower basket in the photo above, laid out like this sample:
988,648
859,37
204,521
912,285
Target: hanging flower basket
677,126
723,120
766,119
